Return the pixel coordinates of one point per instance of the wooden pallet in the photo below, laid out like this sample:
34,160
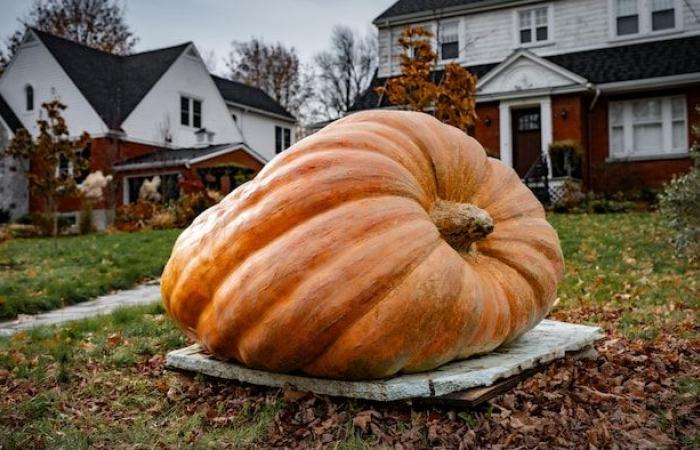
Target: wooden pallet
467,383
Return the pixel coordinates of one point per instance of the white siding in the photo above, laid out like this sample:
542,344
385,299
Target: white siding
259,130
14,193
35,65
160,108
489,36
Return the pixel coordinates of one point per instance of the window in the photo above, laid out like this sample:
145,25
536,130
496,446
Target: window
190,112
64,169
639,17
663,15
283,139
196,114
184,111
169,187
533,25
448,35
627,17
529,122
29,97
648,127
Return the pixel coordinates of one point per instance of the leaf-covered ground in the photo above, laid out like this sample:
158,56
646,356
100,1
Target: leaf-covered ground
101,383
46,273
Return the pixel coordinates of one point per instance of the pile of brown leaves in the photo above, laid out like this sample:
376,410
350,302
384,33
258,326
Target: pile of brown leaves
626,397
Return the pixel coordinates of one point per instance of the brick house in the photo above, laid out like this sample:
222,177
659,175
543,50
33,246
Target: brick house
620,77
152,113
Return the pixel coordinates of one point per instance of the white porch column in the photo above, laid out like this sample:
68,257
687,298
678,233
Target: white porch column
505,133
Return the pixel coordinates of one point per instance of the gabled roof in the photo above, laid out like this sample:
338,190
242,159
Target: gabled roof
370,100
411,7
8,116
242,94
168,157
112,84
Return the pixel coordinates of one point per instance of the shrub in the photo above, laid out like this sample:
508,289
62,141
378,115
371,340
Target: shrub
135,216
566,156
679,205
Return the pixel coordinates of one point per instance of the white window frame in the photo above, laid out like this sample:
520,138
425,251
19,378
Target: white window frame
644,10
439,38
282,130
190,119
533,42
667,150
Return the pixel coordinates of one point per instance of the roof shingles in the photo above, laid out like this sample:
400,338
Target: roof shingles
114,85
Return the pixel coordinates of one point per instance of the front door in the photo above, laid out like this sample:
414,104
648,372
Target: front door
527,139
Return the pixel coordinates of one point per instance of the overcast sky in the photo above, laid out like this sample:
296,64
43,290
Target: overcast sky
213,24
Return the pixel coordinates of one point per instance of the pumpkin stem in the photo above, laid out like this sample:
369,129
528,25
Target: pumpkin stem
461,224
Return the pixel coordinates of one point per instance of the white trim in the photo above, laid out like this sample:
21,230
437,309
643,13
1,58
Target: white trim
506,134
231,149
524,53
646,83
666,120
657,157
482,98
247,108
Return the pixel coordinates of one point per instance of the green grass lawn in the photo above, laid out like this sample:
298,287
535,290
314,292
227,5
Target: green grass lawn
47,273
101,383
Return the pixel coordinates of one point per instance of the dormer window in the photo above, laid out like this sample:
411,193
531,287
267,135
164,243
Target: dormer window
534,26
190,112
627,17
663,15
29,97
448,36
632,18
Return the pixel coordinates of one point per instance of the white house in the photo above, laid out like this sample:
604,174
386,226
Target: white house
143,112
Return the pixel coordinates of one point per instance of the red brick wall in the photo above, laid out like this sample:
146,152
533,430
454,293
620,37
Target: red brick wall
569,121
633,175
487,128
104,153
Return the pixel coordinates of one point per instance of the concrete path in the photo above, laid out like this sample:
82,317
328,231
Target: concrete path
143,294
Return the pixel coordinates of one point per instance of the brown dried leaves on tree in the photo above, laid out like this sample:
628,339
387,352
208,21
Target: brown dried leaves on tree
52,147
450,99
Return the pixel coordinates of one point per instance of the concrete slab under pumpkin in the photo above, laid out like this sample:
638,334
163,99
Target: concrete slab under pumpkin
548,341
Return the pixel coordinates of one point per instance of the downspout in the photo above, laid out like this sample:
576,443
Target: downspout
590,130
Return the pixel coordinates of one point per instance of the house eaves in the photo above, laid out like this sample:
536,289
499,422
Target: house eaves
443,12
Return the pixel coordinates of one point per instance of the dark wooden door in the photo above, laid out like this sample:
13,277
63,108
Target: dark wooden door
527,139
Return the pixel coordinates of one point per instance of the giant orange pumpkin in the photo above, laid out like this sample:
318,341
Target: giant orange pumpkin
387,242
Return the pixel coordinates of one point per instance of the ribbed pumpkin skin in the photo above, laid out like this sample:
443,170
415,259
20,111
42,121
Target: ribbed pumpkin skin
328,261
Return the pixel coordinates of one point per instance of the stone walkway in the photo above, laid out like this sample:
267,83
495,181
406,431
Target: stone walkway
143,294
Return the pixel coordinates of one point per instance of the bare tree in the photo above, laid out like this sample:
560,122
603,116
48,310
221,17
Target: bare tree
345,70
273,68
98,24
210,59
